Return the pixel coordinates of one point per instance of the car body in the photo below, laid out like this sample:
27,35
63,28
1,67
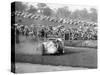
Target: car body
53,46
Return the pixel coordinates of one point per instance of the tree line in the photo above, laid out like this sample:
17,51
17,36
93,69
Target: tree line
63,12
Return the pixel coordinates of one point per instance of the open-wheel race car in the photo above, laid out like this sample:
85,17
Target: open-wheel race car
53,46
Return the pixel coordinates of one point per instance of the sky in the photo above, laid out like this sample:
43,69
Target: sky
71,7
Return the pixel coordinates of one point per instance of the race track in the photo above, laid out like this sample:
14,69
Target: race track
30,68
73,56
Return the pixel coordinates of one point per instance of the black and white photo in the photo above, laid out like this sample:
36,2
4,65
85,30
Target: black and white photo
49,37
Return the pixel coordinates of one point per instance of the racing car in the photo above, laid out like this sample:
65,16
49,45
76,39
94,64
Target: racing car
53,46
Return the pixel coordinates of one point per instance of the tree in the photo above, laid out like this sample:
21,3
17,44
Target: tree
76,14
84,14
32,9
47,12
19,6
81,14
41,7
93,14
63,12
44,9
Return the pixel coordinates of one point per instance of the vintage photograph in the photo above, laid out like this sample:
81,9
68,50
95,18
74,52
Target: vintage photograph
49,37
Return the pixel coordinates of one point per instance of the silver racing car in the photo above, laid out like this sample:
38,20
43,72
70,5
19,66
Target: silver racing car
53,46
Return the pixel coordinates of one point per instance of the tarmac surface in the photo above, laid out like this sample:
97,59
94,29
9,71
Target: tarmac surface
28,58
31,68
